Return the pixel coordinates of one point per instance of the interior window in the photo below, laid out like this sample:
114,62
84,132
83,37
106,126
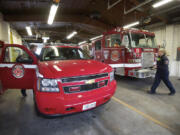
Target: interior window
98,45
16,54
113,40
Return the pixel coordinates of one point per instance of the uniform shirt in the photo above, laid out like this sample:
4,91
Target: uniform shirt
162,64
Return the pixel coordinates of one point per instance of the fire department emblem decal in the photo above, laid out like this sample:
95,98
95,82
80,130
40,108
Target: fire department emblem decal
115,55
18,71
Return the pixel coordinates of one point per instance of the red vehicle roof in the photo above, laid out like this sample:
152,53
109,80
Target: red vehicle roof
119,29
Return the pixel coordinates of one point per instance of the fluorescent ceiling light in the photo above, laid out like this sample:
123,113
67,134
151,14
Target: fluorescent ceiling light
82,42
45,39
96,37
71,35
160,3
131,25
52,13
28,29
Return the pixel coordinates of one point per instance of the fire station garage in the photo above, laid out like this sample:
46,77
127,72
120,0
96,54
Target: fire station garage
90,67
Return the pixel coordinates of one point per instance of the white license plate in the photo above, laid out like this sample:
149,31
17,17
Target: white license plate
89,106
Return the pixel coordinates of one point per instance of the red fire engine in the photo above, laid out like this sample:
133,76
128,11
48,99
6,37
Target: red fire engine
65,80
131,52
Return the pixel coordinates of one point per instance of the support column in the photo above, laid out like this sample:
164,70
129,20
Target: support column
170,48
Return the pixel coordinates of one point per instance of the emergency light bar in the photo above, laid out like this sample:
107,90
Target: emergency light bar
52,13
71,35
160,3
131,25
28,28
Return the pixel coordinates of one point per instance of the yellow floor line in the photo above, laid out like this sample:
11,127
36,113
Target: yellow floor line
143,114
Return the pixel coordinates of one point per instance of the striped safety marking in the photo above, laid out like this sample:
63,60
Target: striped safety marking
143,114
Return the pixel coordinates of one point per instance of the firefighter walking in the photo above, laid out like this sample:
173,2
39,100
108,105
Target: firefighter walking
162,73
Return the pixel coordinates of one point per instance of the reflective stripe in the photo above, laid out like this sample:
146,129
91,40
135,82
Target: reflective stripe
25,66
125,65
6,65
116,65
133,65
30,66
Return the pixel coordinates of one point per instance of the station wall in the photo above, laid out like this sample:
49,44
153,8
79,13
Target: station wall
170,36
8,34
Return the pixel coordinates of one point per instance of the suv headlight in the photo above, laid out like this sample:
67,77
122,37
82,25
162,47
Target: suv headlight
111,74
48,85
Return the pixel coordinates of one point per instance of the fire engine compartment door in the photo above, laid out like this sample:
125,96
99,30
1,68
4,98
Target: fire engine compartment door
114,50
17,68
114,55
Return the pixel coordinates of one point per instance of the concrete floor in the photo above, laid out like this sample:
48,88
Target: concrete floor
17,115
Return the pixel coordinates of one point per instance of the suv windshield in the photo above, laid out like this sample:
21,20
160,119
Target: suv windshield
142,40
62,53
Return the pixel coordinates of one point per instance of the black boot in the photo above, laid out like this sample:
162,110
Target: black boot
23,92
151,92
171,93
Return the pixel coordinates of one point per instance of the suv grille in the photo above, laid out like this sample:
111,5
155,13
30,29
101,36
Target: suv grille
86,87
82,78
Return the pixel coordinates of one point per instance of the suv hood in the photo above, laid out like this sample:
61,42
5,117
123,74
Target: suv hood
69,68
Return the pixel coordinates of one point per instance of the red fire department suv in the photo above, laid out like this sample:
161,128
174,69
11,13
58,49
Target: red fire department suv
65,80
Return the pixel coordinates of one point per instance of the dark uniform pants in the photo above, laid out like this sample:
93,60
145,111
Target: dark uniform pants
165,78
23,92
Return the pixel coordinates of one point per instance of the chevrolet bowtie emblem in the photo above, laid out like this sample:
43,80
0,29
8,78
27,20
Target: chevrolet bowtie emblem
90,81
